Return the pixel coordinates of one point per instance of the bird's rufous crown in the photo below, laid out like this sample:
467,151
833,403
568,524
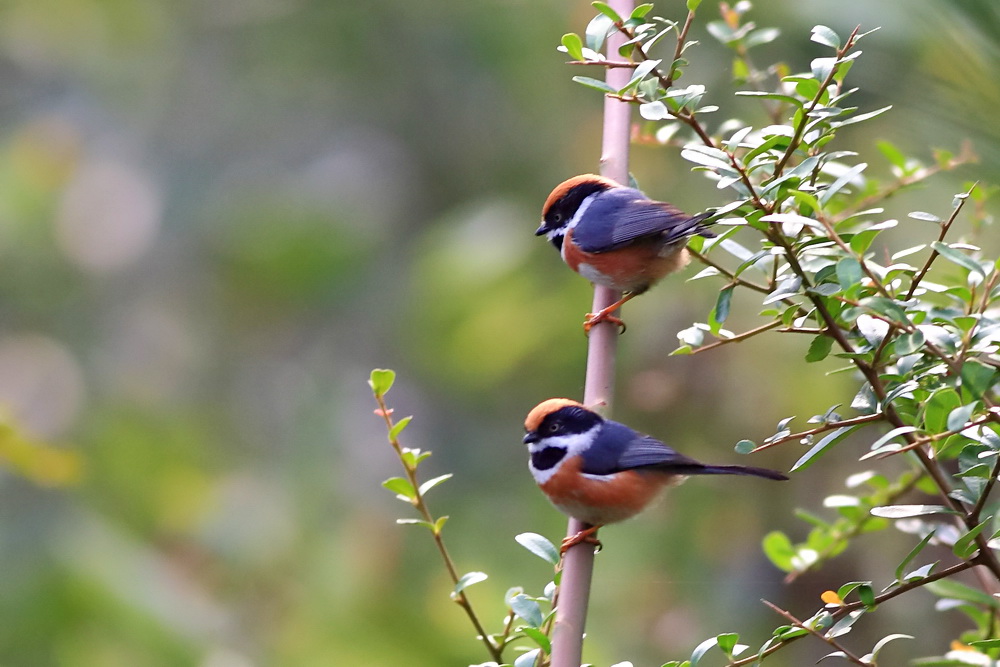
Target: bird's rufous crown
544,409
563,188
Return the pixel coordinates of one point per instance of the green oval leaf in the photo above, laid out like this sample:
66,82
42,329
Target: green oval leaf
431,483
938,407
381,380
779,550
949,588
901,568
401,487
574,45
595,83
959,417
966,546
701,649
910,343
597,31
867,596
528,659
539,546
825,36
720,313
849,272
957,257
640,73
538,637
527,609
398,427
606,9
907,511
819,348
727,642
823,446
843,626
466,580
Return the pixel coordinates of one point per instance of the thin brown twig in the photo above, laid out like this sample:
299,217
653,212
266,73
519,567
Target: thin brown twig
930,465
678,50
816,633
801,127
737,338
921,440
420,504
604,63
688,117
733,278
945,226
842,611
910,585
853,421
984,495
966,156
832,234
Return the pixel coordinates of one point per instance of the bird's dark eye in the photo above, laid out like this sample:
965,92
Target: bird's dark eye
557,217
553,428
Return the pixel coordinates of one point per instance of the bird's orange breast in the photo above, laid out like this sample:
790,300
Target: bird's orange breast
604,499
632,268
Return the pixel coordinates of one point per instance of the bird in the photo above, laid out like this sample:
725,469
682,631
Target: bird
617,237
600,471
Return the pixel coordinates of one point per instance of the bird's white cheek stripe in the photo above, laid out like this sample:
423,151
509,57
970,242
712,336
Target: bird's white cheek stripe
574,444
584,205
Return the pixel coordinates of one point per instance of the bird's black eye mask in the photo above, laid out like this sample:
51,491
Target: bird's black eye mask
568,421
562,212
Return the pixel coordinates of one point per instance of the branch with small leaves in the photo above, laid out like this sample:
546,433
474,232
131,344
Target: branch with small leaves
411,491
928,353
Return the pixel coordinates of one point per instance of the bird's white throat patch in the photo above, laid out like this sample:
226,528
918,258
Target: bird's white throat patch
573,444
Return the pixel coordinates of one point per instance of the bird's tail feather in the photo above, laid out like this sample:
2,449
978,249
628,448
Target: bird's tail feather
736,470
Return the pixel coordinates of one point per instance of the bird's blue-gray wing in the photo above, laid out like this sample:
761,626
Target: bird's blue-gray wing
624,215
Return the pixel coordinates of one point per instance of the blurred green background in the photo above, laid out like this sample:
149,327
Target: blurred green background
216,217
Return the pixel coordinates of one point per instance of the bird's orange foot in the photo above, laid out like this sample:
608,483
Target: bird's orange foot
602,316
586,535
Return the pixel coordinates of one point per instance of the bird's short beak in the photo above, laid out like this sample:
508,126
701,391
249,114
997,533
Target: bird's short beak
541,230
531,438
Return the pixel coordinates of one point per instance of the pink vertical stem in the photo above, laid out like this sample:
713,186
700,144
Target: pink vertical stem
578,564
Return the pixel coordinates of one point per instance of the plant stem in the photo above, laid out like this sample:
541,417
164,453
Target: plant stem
934,253
704,259
840,612
578,562
418,502
853,421
738,337
816,633
801,127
